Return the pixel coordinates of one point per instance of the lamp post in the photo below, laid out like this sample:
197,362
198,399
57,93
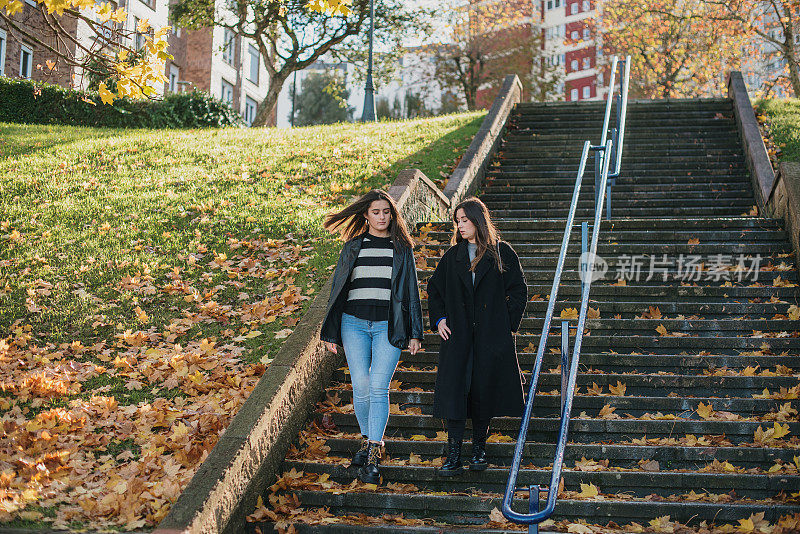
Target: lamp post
368,115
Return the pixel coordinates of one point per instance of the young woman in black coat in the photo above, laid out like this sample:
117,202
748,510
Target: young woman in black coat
476,299
374,312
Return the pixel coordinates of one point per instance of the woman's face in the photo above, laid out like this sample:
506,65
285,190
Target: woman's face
465,226
379,215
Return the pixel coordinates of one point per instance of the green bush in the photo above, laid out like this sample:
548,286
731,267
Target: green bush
24,101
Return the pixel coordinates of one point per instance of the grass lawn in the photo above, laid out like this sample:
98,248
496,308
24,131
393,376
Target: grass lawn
147,278
782,118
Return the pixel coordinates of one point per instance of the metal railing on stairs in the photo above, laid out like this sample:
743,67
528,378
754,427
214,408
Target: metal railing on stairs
608,159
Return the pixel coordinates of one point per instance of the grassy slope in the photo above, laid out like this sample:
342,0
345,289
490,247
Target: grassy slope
158,271
783,117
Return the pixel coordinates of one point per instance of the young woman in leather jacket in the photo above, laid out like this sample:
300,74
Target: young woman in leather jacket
374,312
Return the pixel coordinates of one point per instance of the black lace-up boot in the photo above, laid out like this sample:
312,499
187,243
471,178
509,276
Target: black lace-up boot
478,461
360,457
369,472
452,465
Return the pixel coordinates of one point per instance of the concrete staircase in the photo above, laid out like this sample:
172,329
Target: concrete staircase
686,387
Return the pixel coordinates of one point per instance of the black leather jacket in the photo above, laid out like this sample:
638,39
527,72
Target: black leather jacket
405,310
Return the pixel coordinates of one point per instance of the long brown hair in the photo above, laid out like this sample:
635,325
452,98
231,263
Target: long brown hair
486,235
351,221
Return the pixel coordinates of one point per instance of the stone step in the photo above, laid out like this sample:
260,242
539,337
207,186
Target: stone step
641,385
764,249
549,405
683,223
633,363
622,235
523,178
624,342
670,278
497,195
628,187
580,430
460,511
617,212
636,483
669,457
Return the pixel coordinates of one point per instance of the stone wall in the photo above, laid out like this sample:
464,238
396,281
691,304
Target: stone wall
784,203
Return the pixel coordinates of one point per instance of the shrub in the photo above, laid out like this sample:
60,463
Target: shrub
25,101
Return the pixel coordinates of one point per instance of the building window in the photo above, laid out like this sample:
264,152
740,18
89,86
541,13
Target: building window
228,46
254,63
2,52
586,34
574,65
174,77
549,5
557,4
573,9
562,59
149,3
587,63
573,95
575,35
250,107
586,5
25,61
226,94
138,37
587,92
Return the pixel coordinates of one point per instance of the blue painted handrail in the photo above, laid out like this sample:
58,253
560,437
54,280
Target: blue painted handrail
608,150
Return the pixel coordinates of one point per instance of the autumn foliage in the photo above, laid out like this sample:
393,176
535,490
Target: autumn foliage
678,49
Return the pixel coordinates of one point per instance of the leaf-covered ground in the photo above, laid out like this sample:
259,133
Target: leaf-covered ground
780,121
147,279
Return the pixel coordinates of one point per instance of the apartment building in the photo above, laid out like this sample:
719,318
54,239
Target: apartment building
570,41
215,60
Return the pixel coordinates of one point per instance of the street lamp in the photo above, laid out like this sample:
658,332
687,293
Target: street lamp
368,115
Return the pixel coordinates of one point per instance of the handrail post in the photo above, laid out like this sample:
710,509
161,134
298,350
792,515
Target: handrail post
533,507
564,361
598,161
584,249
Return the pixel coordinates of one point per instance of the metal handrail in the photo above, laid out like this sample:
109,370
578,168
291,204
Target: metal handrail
604,153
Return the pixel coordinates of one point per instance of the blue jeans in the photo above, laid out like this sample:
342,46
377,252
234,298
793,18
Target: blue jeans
372,361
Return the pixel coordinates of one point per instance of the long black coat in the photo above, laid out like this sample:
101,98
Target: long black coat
480,357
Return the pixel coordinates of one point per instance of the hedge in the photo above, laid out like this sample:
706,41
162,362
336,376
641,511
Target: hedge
25,101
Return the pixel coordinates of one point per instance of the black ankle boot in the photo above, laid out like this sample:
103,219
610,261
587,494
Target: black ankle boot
360,457
369,472
478,461
452,465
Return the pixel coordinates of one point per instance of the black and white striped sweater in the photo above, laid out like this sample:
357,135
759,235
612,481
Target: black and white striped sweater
370,281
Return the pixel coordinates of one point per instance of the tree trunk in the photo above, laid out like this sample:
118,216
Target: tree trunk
270,101
794,71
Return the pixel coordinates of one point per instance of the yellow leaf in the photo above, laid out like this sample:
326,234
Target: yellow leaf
746,525
143,26
569,313
577,528
588,491
705,410
105,95
780,430
593,313
662,330
794,312
418,437
618,390
606,411
253,333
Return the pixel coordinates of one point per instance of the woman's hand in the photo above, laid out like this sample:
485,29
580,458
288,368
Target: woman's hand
444,332
414,346
330,346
